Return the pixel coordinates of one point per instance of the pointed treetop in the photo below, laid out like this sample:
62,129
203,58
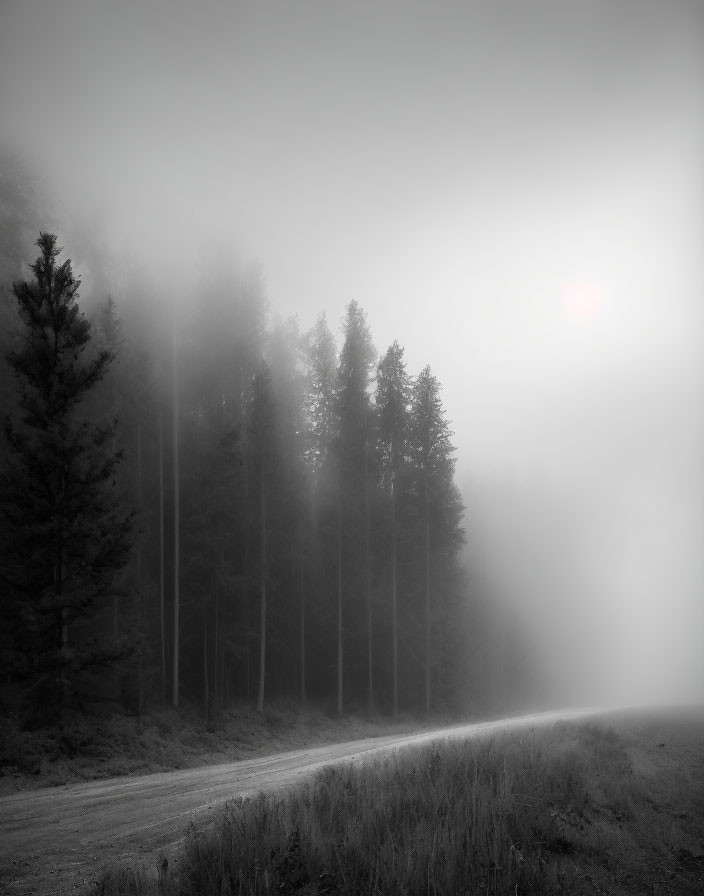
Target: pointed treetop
358,352
393,395
432,434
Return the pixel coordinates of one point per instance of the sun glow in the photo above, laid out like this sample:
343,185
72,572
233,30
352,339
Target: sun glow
583,299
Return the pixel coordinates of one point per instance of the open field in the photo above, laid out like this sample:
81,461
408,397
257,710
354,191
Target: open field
572,808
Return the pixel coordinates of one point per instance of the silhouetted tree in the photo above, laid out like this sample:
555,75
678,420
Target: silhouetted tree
321,424
263,461
65,532
352,447
291,511
438,501
392,404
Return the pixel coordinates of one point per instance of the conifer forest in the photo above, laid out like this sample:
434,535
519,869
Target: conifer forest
220,508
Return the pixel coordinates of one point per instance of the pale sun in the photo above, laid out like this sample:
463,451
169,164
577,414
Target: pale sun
583,299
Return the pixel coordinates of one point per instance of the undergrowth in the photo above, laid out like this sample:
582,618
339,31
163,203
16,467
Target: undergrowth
94,746
515,814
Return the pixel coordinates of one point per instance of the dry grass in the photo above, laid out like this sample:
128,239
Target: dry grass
558,811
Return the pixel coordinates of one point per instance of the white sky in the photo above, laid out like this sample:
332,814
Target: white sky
458,168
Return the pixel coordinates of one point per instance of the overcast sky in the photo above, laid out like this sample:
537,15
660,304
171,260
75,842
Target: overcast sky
513,190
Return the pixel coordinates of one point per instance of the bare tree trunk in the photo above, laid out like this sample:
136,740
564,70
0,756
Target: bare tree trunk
177,509
394,602
206,695
62,676
63,625
339,603
116,596
161,559
216,658
247,629
140,598
368,582
303,633
138,552
245,589
262,630
427,605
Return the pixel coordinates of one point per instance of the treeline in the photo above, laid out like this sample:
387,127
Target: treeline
215,509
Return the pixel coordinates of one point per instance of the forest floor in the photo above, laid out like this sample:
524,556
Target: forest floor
100,745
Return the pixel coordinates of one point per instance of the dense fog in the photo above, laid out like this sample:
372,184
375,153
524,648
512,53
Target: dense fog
512,191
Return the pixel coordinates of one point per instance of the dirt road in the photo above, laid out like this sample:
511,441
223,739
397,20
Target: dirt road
55,841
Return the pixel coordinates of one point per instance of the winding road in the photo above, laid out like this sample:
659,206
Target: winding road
56,840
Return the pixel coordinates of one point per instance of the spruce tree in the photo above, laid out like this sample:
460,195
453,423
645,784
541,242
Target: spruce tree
355,374
431,454
320,435
393,390
320,401
63,528
264,463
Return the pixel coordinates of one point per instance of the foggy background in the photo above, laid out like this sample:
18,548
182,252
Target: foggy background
514,191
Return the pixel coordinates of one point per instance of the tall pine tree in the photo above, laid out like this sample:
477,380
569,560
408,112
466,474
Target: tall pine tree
392,404
439,504
353,445
264,462
63,528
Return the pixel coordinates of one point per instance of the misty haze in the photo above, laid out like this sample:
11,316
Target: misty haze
352,387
